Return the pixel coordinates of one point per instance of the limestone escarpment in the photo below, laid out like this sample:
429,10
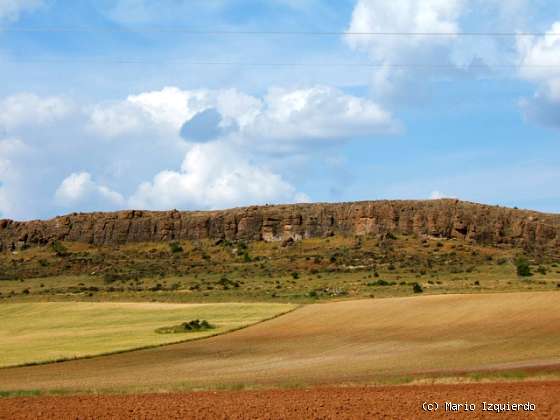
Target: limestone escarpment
441,218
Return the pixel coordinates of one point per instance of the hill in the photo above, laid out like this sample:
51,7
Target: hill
296,253
478,223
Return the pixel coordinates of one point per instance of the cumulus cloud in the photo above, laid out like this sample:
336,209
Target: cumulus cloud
30,109
540,57
10,10
233,147
403,16
441,56
165,110
282,119
318,113
214,175
80,189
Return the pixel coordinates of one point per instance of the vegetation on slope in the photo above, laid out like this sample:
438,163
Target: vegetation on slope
302,271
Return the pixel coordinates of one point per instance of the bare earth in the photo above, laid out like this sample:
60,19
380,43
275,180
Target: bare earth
321,403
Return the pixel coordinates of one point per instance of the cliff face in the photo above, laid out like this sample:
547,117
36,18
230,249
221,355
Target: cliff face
442,218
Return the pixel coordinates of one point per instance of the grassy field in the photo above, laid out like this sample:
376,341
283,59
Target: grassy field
40,332
362,341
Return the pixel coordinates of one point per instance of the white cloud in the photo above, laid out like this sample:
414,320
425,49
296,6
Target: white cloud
282,119
10,10
318,113
540,57
438,195
165,110
79,188
441,56
171,106
214,176
29,109
403,16
255,149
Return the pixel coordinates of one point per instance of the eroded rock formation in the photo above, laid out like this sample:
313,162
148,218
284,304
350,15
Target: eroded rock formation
442,218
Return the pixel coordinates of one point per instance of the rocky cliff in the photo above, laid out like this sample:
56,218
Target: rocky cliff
441,218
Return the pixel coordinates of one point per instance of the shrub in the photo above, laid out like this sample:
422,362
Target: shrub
109,278
541,270
522,267
190,326
175,247
381,282
295,275
227,283
59,249
416,288
246,257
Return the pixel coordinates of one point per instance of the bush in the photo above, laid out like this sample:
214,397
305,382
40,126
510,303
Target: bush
416,288
227,283
175,247
501,261
541,270
295,275
522,267
190,326
59,249
381,282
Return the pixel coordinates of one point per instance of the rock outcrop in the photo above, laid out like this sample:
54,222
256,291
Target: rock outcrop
441,218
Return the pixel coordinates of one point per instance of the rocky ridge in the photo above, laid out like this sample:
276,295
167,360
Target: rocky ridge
481,224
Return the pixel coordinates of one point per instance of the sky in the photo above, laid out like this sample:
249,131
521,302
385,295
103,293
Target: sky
210,104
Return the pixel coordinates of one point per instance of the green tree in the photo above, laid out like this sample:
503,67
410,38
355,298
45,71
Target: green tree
523,267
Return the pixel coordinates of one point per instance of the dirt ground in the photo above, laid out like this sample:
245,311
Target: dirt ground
396,402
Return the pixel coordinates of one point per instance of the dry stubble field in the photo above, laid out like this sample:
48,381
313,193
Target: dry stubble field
365,341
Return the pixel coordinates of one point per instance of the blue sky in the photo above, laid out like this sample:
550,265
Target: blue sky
102,106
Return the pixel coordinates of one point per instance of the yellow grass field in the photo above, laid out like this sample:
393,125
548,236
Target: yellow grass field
363,341
39,332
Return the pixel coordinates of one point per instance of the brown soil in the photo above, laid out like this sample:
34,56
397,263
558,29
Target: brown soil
396,402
